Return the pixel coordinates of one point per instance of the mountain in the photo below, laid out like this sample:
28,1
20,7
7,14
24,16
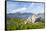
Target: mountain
41,15
19,15
24,15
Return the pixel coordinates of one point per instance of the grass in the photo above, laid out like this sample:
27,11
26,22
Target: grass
18,24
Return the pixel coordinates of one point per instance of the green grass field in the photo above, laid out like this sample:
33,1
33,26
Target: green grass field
18,24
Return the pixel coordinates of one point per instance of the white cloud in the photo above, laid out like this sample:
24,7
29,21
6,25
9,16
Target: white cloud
18,10
21,9
27,10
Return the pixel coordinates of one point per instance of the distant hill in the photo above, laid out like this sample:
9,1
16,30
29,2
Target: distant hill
23,15
19,15
41,15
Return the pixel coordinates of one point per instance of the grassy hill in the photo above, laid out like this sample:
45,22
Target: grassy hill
18,24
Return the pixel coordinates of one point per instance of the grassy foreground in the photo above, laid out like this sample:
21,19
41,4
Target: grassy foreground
18,24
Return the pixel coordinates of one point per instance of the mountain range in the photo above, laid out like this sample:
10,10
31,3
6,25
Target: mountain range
23,15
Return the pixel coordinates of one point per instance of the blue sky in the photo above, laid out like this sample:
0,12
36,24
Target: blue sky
23,7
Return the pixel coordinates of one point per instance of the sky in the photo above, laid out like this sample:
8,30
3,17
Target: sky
24,7
28,0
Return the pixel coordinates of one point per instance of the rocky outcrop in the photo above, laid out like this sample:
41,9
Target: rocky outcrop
30,19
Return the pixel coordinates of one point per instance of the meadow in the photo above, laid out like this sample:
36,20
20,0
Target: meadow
18,24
